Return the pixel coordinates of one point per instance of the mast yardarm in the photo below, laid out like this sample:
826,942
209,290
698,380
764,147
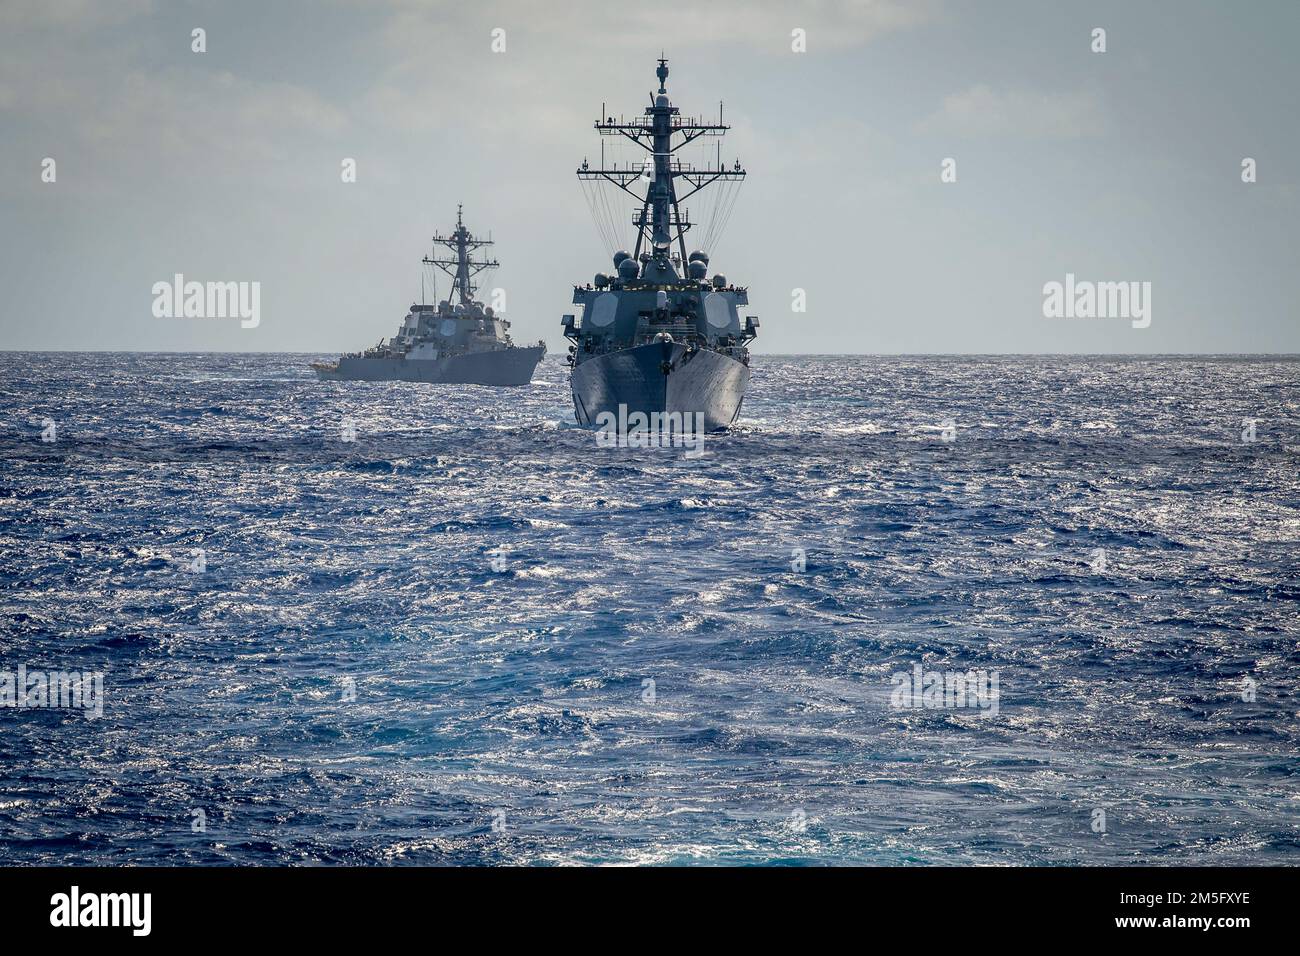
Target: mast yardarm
661,132
464,267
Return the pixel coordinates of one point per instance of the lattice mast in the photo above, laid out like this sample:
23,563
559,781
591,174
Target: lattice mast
464,267
661,221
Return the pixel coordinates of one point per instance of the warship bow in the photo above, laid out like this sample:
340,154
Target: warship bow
658,335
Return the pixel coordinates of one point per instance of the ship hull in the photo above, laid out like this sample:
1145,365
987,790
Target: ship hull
513,366
706,382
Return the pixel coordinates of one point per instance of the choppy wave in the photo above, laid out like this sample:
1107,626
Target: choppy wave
565,654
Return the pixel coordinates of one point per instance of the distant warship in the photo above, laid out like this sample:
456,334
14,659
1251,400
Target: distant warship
649,338
461,342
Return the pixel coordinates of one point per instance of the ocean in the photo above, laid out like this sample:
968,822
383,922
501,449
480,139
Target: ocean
349,623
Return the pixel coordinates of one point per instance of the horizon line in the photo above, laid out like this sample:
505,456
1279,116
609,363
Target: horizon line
1295,355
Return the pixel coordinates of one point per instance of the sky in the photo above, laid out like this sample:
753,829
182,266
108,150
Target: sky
225,165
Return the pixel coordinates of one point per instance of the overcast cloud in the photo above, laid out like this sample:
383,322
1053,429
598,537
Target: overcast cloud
225,165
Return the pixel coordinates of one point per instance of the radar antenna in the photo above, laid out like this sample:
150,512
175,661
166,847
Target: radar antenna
464,267
661,132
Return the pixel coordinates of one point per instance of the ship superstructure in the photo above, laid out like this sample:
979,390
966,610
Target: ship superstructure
659,334
459,340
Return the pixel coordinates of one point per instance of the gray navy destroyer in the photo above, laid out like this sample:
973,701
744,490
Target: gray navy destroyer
658,335
458,341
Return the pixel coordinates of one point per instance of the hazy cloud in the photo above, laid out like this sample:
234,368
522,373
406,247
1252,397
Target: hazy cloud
227,164
983,111
760,25
71,15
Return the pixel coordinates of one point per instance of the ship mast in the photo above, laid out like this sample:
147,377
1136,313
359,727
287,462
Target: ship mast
463,268
660,222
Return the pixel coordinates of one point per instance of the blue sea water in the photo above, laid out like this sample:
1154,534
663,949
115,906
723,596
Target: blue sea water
646,675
